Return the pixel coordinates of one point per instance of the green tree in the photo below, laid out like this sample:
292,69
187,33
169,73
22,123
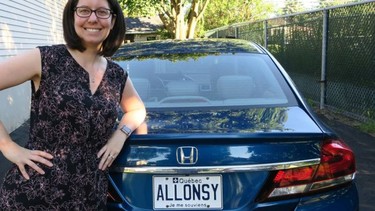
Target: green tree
191,18
222,13
140,8
330,3
180,17
293,6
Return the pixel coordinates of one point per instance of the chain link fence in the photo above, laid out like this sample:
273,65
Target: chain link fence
329,53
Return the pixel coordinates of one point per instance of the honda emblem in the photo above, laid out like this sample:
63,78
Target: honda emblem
187,155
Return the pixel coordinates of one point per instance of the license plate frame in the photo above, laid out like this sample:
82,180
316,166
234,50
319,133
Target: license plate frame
187,192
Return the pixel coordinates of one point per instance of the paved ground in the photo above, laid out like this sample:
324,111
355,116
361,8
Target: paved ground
362,144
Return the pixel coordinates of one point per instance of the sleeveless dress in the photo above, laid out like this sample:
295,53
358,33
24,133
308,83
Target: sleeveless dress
72,124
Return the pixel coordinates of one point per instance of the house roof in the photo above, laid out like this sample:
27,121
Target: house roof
144,25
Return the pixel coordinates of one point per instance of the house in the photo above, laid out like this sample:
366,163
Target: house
25,25
143,29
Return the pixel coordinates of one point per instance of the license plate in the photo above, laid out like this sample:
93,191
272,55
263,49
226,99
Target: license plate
187,192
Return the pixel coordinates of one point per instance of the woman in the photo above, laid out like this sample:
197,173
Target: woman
76,93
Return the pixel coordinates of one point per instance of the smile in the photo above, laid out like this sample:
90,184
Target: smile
92,30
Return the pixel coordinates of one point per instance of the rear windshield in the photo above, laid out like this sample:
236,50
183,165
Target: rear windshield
209,80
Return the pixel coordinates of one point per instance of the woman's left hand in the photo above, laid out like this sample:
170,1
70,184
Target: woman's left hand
109,152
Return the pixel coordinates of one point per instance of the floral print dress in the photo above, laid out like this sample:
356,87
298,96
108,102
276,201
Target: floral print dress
72,124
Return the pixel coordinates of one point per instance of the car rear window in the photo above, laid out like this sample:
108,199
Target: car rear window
242,79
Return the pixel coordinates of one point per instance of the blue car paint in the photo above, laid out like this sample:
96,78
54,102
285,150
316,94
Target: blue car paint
218,149
215,150
231,120
243,135
343,199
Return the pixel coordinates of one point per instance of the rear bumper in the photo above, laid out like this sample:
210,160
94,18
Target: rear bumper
343,199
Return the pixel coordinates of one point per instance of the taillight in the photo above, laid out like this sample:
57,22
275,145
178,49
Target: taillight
337,167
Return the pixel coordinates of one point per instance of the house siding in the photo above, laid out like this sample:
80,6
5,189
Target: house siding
24,25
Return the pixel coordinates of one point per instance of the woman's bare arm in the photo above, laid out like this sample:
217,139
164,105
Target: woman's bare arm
13,72
134,115
21,68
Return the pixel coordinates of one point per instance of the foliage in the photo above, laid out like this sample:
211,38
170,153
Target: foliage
297,6
140,8
165,34
293,6
330,3
222,13
242,120
181,49
191,18
368,127
180,17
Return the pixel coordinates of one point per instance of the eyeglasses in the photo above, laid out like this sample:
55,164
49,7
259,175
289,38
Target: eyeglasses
85,12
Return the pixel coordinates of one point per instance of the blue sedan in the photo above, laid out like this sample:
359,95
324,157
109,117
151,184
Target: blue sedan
226,129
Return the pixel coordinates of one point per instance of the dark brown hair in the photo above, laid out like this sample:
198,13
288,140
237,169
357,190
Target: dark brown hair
111,43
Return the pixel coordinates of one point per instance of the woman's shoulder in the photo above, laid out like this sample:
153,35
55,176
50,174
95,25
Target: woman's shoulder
52,47
115,68
48,49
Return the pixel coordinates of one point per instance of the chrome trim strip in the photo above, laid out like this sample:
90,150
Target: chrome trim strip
332,182
214,169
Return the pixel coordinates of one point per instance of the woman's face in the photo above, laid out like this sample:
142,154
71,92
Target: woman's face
93,30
